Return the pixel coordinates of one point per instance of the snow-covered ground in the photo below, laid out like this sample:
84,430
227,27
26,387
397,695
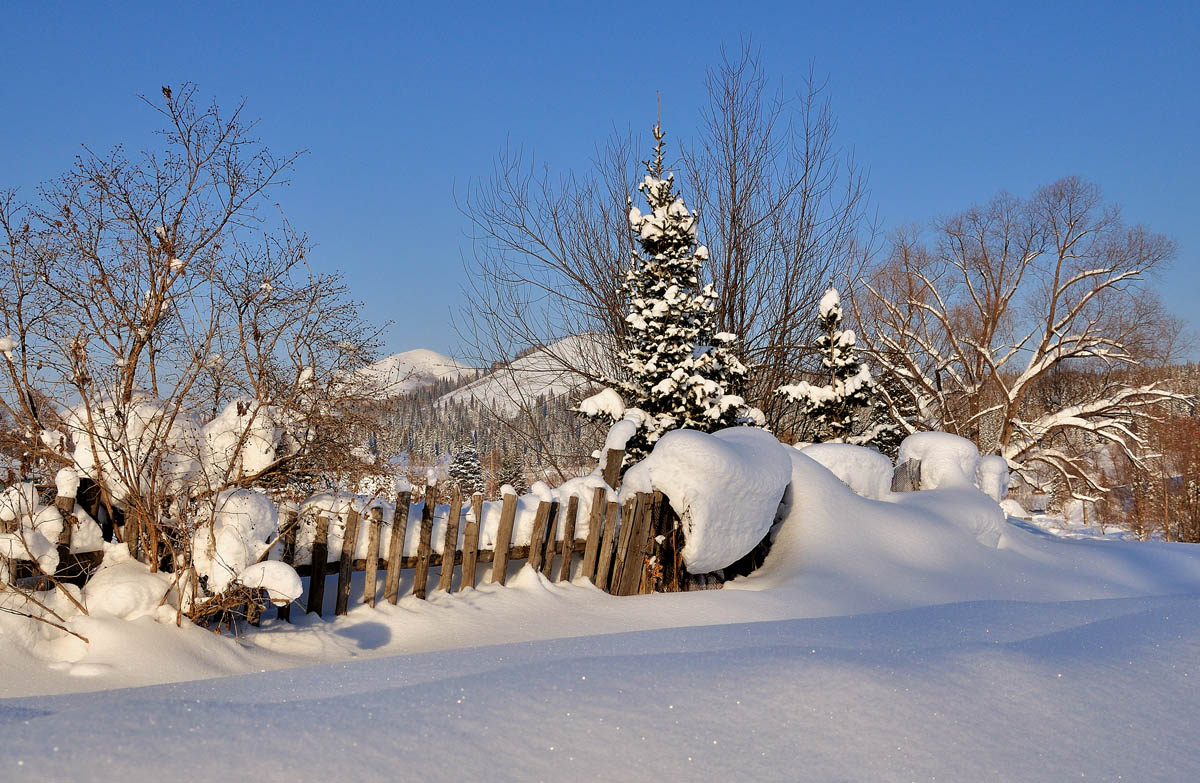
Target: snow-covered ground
918,637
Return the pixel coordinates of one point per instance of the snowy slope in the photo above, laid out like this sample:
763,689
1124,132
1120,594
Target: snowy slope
403,372
545,371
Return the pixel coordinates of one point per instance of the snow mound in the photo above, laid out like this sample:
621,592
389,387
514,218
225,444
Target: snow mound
946,460
244,522
280,580
864,470
991,476
124,588
725,487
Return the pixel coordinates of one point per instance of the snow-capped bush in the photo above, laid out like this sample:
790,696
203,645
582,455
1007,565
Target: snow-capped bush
243,523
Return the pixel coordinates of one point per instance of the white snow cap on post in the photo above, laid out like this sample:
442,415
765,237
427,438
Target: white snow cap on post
725,487
946,460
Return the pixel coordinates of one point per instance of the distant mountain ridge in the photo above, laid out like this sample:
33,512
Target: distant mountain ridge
405,372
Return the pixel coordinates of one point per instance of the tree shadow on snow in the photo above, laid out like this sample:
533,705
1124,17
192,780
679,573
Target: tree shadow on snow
369,636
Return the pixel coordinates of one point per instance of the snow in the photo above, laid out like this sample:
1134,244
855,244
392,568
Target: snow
7,345
725,487
896,622
830,303
991,476
279,580
605,402
408,371
66,483
126,589
864,470
946,460
244,522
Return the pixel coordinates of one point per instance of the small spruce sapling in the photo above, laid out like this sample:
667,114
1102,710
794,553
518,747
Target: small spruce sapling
847,409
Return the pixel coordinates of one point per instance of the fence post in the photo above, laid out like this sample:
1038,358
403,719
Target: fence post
612,467
537,539
391,583
346,563
635,552
424,548
371,578
318,566
471,543
604,564
595,530
568,539
450,541
508,514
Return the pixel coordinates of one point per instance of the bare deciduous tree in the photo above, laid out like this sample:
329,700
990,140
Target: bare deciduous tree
782,212
977,326
168,337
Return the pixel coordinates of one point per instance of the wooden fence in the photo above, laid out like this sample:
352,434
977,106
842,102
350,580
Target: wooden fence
621,554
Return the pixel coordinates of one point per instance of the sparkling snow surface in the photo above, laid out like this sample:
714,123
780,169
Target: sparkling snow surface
881,640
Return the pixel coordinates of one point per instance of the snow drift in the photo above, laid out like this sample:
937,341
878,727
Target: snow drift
725,487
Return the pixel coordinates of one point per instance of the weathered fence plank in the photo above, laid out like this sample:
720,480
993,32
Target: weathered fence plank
537,539
551,539
288,555
371,577
621,553
346,563
391,585
612,516
424,546
595,530
635,553
471,543
508,514
320,562
568,539
612,467
450,541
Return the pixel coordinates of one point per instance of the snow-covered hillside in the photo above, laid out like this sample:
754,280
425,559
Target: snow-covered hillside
543,372
403,372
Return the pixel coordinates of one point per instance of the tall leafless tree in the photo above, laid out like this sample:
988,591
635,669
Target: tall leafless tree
977,324
783,212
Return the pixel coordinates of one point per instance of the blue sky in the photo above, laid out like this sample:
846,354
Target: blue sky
401,104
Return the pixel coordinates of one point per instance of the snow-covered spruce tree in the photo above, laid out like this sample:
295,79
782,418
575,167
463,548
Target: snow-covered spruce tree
679,371
465,470
847,409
